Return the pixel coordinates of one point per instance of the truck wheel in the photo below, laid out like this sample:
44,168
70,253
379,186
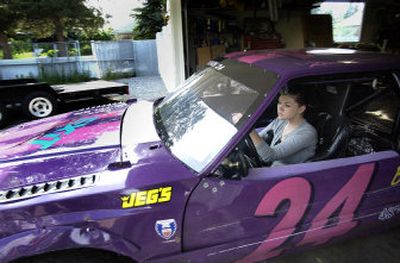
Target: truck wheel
39,104
3,115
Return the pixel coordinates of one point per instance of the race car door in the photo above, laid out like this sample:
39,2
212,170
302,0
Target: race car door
275,209
279,208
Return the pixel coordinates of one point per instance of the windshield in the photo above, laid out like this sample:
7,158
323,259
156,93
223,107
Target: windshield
197,121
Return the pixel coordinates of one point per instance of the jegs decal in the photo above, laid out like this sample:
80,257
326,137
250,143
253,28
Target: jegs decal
298,192
147,197
396,178
50,139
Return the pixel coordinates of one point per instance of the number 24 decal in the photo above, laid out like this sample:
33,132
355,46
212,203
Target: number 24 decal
298,191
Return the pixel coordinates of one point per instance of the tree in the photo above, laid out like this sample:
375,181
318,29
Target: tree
85,38
149,19
59,17
9,19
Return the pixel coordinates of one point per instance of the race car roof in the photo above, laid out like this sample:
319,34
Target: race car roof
294,62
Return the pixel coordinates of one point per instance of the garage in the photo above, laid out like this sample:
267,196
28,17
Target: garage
278,141
215,27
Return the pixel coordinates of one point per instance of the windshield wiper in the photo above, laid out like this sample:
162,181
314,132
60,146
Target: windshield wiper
158,101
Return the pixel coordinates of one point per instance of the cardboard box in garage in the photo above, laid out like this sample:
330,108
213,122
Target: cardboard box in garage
205,54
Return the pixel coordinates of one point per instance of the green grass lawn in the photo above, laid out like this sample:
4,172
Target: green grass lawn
24,55
19,55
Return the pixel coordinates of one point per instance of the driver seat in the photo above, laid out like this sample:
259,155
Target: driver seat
333,135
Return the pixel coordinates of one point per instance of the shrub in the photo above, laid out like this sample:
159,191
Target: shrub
52,53
55,77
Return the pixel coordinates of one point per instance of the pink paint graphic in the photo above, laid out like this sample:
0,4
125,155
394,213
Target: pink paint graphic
350,197
298,191
95,127
255,58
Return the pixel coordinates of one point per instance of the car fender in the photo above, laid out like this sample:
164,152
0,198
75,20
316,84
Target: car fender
39,241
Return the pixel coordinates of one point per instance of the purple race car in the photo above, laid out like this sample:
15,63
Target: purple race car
179,180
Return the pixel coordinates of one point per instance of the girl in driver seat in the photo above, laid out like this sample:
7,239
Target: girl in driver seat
294,139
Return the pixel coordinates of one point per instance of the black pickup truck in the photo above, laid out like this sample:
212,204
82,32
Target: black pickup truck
39,99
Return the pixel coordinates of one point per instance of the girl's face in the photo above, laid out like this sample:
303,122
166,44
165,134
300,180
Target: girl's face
288,108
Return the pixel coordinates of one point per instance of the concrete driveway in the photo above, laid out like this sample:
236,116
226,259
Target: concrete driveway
382,248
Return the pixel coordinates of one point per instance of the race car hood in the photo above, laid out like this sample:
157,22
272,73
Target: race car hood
84,143
89,128
66,145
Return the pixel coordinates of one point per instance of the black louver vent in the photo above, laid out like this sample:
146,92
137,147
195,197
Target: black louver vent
47,188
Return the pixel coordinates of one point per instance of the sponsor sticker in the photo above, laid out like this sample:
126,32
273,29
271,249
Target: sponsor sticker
166,228
396,178
389,212
147,197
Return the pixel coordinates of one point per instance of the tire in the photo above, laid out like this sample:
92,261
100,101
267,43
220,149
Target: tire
39,104
76,256
3,116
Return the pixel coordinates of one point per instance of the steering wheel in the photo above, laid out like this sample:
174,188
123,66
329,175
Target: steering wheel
243,157
250,152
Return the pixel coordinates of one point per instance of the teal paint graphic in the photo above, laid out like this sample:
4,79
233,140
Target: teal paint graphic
50,139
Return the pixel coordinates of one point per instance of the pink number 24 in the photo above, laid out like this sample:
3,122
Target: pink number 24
298,192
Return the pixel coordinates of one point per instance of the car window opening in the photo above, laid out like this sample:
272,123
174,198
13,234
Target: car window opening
353,116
